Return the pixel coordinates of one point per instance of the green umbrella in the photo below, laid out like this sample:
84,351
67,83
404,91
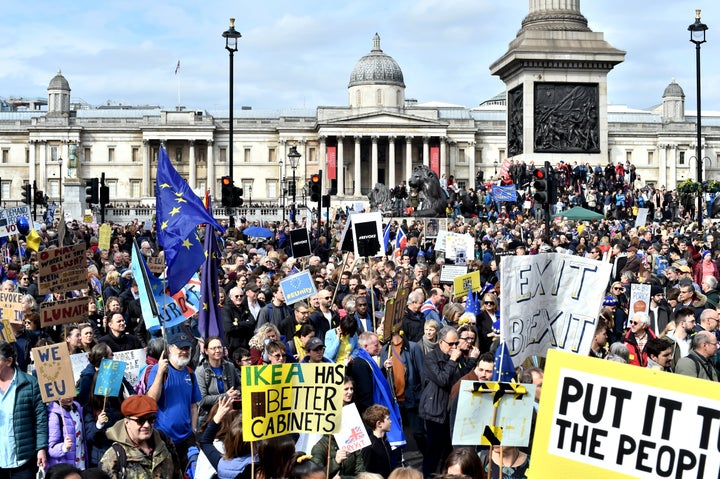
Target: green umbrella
579,213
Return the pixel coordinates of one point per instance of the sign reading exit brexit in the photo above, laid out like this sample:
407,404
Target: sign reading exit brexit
291,398
600,419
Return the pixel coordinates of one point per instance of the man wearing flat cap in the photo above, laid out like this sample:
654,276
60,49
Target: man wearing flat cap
148,452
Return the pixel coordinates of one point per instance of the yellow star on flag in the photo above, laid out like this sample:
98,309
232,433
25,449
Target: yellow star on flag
174,211
164,185
163,225
187,243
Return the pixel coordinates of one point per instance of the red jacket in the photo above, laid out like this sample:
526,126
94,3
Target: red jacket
637,357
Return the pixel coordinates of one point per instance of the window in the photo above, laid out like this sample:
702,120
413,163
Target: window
201,185
651,157
87,155
272,155
135,154
112,188
53,153
628,156
27,155
502,155
247,155
200,155
54,188
461,155
462,184
135,188
681,160
5,155
178,155
272,189
5,189
247,187
111,153
312,155
223,155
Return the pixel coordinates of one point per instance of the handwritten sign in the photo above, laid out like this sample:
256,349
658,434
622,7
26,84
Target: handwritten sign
156,264
280,399
11,307
449,272
79,362
134,360
353,435
550,300
9,217
54,372
109,378
104,237
62,269
298,287
600,419
73,310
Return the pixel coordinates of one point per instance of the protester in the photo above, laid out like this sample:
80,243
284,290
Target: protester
216,378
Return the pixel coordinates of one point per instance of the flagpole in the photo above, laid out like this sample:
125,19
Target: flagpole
177,77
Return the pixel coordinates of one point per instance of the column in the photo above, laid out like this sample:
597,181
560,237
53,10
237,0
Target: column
146,169
662,165
356,189
426,151
391,162
374,162
193,165
443,157
322,162
211,183
672,161
31,167
340,166
42,168
408,157
65,155
470,157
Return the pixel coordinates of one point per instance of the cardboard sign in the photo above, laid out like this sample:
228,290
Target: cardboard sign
134,361
73,310
54,372
550,300
353,435
600,419
62,269
462,285
476,409
298,287
11,307
109,378
300,243
451,243
79,362
156,264
104,237
639,300
9,217
280,399
449,272
6,332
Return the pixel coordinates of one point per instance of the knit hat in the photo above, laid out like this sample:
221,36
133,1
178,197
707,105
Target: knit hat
610,301
138,405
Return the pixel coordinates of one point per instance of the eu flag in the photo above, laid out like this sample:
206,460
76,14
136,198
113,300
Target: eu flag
209,322
473,304
179,212
503,369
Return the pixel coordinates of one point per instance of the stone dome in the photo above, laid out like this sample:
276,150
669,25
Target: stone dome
59,82
376,68
673,90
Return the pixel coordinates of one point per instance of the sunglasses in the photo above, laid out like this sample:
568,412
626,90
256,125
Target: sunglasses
451,343
140,421
489,303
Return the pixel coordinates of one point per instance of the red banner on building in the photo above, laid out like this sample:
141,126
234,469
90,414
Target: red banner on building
435,159
332,162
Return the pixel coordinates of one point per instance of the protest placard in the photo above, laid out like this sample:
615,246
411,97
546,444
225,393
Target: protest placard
476,410
79,362
11,307
639,300
281,399
600,419
104,237
54,372
73,310
109,377
300,243
156,264
431,227
62,269
134,360
449,272
464,284
363,235
550,300
6,332
298,287
353,435
451,243
9,217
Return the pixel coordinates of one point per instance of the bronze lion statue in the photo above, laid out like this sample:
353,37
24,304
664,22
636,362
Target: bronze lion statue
432,200
380,198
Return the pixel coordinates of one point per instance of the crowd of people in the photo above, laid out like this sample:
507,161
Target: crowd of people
180,418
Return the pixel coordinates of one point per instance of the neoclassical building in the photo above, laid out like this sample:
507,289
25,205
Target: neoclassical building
379,136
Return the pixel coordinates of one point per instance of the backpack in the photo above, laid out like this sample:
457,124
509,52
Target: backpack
120,466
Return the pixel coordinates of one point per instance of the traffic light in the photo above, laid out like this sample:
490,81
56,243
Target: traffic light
40,197
291,189
92,191
315,188
231,194
541,184
27,194
104,195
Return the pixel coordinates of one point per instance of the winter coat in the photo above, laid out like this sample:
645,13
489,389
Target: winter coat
139,466
637,357
439,375
29,418
412,358
208,383
61,425
349,468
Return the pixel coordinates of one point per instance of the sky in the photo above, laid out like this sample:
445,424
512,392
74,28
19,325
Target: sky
300,53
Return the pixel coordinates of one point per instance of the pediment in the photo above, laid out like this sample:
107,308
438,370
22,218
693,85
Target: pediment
382,119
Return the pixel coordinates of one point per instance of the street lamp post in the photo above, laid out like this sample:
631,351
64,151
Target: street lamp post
283,191
231,40
697,36
495,163
250,193
60,162
294,157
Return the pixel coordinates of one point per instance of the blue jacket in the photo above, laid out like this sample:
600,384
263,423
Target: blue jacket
29,417
332,345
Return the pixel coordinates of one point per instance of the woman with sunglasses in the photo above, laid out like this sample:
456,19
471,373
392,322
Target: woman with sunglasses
485,320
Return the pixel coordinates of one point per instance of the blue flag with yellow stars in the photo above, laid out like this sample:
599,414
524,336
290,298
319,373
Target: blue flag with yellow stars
503,369
179,212
209,319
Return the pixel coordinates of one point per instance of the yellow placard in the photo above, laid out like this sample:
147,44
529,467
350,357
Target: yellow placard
104,237
466,283
6,332
600,419
11,307
279,399
87,219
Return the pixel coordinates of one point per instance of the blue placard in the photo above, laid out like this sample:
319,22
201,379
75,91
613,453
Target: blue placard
298,287
109,378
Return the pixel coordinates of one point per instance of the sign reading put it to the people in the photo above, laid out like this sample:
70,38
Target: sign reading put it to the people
62,269
73,310
54,372
280,399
